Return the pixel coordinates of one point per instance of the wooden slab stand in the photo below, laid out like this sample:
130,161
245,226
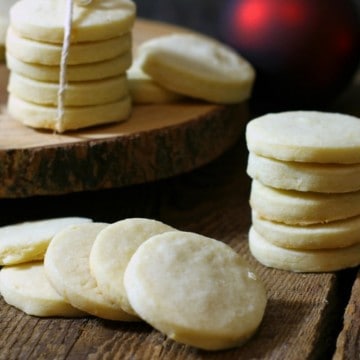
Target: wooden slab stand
158,141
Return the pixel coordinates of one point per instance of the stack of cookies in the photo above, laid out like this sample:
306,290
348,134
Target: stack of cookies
305,194
99,54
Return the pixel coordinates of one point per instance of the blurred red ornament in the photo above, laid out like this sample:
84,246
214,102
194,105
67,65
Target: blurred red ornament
305,51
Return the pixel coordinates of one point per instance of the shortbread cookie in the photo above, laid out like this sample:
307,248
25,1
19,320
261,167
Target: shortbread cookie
291,175
74,73
36,297
302,208
67,268
196,290
28,241
112,251
335,234
86,93
307,136
46,117
31,51
302,260
144,90
44,20
197,66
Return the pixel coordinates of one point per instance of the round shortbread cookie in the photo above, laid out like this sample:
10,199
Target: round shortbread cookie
44,20
144,90
27,288
46,117
28,241
197,66
74,73
86,93
335,234
31,51
196,290
277,257
67,268
290,175
302,208
307,136
112,250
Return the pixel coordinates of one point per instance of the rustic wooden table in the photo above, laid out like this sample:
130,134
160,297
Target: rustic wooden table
309,316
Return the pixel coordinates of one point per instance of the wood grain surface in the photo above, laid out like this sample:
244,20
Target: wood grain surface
156,142
309,316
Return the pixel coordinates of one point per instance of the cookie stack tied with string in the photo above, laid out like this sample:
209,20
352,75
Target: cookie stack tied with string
305,194
68,62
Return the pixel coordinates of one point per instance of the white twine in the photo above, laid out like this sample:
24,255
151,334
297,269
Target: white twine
64,60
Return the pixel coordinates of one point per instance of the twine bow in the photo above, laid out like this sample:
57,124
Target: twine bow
64,59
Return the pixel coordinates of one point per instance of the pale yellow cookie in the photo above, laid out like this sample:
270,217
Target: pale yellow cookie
335,234
28,241
44,20
307,136
46,117
31,51
300,176
302,208
112,251
85,93
144,90
197,66
67,268
196,290
302,260
27,288
74,73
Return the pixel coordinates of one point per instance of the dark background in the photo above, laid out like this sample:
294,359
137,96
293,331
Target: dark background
200,15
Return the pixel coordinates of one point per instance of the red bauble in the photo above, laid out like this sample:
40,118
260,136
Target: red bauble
305,51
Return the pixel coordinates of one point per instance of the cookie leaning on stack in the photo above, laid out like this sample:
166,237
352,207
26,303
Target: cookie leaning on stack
99,55
196,66
305,192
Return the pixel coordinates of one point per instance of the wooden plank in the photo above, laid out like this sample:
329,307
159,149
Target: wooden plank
302,313
348,343
156,142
